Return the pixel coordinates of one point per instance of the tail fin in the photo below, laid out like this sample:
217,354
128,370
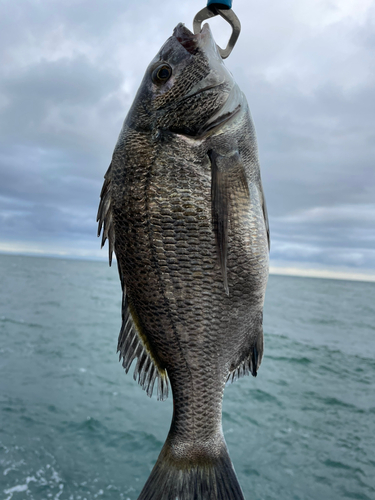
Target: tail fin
206,478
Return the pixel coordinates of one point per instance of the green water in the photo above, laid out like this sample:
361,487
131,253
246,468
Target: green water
73,426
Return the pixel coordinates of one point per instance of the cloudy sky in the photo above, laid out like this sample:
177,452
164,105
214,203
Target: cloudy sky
70,70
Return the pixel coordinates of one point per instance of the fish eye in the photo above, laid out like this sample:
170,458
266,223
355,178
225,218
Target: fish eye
162,74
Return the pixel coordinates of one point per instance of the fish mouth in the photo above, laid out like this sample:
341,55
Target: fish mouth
187,39
192,43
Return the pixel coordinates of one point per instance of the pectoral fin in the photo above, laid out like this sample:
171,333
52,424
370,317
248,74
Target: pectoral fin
228,177
265,215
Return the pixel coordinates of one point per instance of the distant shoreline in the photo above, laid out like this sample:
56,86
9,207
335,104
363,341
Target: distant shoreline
323,273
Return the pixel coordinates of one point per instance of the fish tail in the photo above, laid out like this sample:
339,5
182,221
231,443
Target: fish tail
206,477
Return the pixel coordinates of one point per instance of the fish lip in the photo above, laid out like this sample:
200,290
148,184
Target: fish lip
181,30
186,38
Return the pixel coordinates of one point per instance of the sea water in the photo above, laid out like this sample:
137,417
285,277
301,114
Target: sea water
73,426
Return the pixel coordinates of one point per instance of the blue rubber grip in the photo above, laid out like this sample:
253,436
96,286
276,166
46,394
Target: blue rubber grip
221,4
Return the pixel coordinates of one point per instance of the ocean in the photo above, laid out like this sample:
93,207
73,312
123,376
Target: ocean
73,426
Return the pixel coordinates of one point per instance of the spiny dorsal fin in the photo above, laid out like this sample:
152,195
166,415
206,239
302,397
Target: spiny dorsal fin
132,344
227,176
104,217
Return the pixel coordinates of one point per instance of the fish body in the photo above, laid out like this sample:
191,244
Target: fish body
183,208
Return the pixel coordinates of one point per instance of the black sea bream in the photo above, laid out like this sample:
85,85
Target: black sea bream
183,208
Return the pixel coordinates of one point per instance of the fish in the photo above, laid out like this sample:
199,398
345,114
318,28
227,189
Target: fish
183,208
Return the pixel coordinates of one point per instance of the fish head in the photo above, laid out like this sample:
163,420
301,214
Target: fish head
186,88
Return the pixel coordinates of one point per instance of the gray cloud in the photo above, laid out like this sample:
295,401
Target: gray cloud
70,71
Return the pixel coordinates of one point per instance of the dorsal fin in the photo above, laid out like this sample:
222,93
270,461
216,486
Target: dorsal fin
104,217
131,343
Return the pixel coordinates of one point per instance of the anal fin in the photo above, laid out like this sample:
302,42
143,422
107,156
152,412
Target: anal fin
250,361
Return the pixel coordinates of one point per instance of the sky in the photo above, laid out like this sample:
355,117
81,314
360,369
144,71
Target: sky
69,72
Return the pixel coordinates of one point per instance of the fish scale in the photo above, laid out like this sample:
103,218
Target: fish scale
183,207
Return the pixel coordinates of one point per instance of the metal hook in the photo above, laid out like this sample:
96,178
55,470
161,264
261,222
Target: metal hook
226,14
